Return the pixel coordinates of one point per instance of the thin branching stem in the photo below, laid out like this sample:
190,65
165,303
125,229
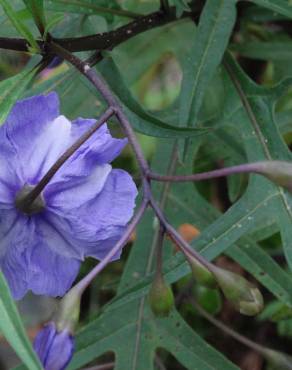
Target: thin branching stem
107,40
159,251
177,238
242,168
103,89
226,329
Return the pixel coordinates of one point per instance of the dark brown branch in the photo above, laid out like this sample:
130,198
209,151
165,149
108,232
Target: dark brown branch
15,44
108,40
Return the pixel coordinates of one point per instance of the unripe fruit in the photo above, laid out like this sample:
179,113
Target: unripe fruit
161,298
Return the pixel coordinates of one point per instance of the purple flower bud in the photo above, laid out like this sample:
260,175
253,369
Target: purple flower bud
55,349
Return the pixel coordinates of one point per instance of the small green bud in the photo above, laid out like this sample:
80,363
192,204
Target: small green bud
277,360
202,275
279,172
244,296
160,297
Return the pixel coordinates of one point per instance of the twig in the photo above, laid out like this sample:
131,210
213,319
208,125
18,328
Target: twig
103,89
107,40
240,338
181,243
159,250
242,168
101,86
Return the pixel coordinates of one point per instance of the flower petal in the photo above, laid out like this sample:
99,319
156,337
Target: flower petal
43,341
55,349
98,223
115,204
61,352
101,147
16,233
28,261
73,191
10,174
50,273
37,134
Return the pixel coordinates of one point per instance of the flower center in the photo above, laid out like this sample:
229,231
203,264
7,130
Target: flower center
27,207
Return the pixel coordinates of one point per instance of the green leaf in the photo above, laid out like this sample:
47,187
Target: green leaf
36,8
12,328
214,29
138,351
283,7
262,204
274,51
19,25
86,7
141,120
52,23
11,90
134,320
181,6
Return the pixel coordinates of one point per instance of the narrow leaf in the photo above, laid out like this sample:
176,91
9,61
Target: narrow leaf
36,7
12,328
209,44
11,89
283,7
141,120
86,7
18,24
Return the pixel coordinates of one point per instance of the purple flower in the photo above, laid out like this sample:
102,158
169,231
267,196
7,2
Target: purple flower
55,349
87,204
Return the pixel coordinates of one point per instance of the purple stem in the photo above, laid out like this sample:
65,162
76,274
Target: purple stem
101,86
242,168
159,251
182,244
82,285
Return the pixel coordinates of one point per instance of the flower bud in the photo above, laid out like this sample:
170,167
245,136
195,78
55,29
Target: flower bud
160,297
279,172
244,296
278,360
54,348
202,275
54,344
